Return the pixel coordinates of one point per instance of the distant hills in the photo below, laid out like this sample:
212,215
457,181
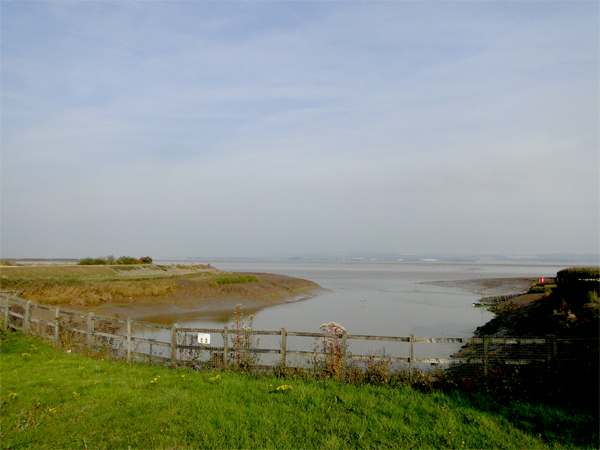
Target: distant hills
570,258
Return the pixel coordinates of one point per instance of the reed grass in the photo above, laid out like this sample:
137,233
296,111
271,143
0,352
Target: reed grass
233,279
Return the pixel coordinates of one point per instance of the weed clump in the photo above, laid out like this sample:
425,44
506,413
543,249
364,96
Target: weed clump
243,341
333,350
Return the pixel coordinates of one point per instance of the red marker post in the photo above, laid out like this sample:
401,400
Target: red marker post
542,280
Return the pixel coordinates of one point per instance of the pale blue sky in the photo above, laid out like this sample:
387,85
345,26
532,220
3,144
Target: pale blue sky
283,128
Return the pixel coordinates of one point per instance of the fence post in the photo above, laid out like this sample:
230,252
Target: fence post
225,347
90,329
57,327
27,317
173,345
486,355
128,339
283,347
344,351
410,359
552,350
7,310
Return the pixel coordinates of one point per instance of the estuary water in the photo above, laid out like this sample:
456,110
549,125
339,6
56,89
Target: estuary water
379,298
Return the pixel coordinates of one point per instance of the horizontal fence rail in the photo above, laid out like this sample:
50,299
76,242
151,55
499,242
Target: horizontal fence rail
170,344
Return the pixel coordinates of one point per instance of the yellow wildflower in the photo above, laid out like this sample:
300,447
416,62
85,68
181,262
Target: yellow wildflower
12,395
25,354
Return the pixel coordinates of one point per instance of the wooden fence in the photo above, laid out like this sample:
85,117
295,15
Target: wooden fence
135,340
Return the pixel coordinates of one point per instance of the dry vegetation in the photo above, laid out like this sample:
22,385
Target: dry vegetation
95,285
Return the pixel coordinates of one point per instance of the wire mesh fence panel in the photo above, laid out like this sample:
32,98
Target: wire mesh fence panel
467,361
254,350
43,313
16,315
381,354
73,321
207,354
110,335
299,348
151,340
42,320
73,330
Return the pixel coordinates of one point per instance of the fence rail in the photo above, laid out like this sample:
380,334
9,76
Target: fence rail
135,340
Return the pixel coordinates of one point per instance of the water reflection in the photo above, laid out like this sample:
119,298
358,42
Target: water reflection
371,298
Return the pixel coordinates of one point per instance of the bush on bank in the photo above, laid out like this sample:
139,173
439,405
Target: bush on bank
575,274
110,260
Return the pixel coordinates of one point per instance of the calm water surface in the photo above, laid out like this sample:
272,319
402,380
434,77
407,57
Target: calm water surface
378,298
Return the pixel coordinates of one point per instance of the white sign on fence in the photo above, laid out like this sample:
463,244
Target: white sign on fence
203,338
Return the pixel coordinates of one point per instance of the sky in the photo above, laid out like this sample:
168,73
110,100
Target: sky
284,128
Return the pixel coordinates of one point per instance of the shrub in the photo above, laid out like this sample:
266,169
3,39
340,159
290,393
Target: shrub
540,289
110,260
577,282
378,369
124,260
577,274
92,262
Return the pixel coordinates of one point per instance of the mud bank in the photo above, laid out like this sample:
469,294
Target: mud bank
489,287
194,297
144,291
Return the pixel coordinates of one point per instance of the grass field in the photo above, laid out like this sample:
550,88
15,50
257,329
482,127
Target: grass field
55,400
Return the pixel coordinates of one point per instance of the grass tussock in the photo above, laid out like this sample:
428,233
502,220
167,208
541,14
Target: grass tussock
233,279
51,399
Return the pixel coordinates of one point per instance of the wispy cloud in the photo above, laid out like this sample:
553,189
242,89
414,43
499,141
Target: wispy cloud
269,128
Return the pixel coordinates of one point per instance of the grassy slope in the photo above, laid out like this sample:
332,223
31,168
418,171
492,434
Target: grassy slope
73,401
100,272
91,286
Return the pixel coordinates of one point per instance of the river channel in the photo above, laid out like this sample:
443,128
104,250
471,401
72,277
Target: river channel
376,298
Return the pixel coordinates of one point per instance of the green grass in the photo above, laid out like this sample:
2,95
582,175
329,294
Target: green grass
233,279
51,399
